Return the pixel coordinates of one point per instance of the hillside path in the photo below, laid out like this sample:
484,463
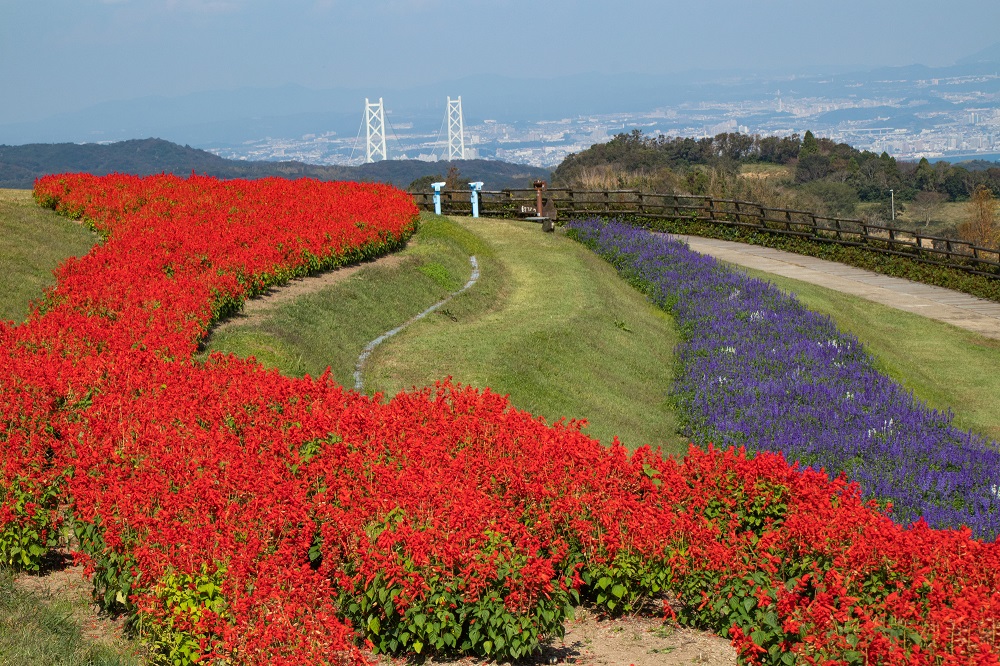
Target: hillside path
974,314
255,310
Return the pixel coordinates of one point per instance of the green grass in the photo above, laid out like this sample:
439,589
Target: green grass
36,630
548,323
945,366
33,241
332,326
554,328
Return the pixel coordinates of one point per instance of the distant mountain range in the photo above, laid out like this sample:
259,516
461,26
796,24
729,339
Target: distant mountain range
21,165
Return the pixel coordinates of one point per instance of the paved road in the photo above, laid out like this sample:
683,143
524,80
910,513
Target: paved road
968,312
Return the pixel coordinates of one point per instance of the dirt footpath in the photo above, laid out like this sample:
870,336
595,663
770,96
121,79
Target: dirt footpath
256,309
639,641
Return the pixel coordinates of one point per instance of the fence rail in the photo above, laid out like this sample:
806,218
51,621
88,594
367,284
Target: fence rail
571,203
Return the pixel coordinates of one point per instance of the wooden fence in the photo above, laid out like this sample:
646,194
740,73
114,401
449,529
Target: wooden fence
635,205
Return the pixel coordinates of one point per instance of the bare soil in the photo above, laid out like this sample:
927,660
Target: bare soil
629,641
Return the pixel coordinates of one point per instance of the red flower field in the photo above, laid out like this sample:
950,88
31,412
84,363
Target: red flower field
236,514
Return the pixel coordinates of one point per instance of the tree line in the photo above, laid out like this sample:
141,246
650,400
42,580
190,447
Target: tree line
808,173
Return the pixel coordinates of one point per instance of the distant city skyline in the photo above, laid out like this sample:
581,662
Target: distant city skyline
59,56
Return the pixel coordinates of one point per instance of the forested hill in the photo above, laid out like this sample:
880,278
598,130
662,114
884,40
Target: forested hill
804,173
21,165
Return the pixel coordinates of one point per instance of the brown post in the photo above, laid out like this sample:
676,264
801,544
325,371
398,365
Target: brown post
539,186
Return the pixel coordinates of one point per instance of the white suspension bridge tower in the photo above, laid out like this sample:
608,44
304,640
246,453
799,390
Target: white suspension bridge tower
374,123
456,130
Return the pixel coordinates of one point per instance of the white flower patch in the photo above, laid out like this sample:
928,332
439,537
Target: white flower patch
886,429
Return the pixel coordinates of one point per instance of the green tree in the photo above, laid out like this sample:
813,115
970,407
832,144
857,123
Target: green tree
810,146
839,199
812,166
423,184
924,176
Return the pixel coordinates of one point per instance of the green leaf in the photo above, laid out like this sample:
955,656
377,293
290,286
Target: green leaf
417,646
374,625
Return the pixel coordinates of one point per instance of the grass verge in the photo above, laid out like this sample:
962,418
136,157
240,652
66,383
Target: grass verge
331,326
33,241
945,366
44,630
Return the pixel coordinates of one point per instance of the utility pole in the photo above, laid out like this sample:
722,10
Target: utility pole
892,204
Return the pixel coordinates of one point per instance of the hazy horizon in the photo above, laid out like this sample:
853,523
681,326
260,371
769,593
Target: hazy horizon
59,56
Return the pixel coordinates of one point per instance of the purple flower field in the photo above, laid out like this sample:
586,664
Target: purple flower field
759,370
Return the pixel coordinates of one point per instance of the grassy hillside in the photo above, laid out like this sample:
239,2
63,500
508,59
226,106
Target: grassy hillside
33,241
547,323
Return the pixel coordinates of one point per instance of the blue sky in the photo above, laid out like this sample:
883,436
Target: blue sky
63,55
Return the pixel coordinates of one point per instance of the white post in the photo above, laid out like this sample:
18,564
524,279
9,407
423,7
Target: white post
437,196
474,194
